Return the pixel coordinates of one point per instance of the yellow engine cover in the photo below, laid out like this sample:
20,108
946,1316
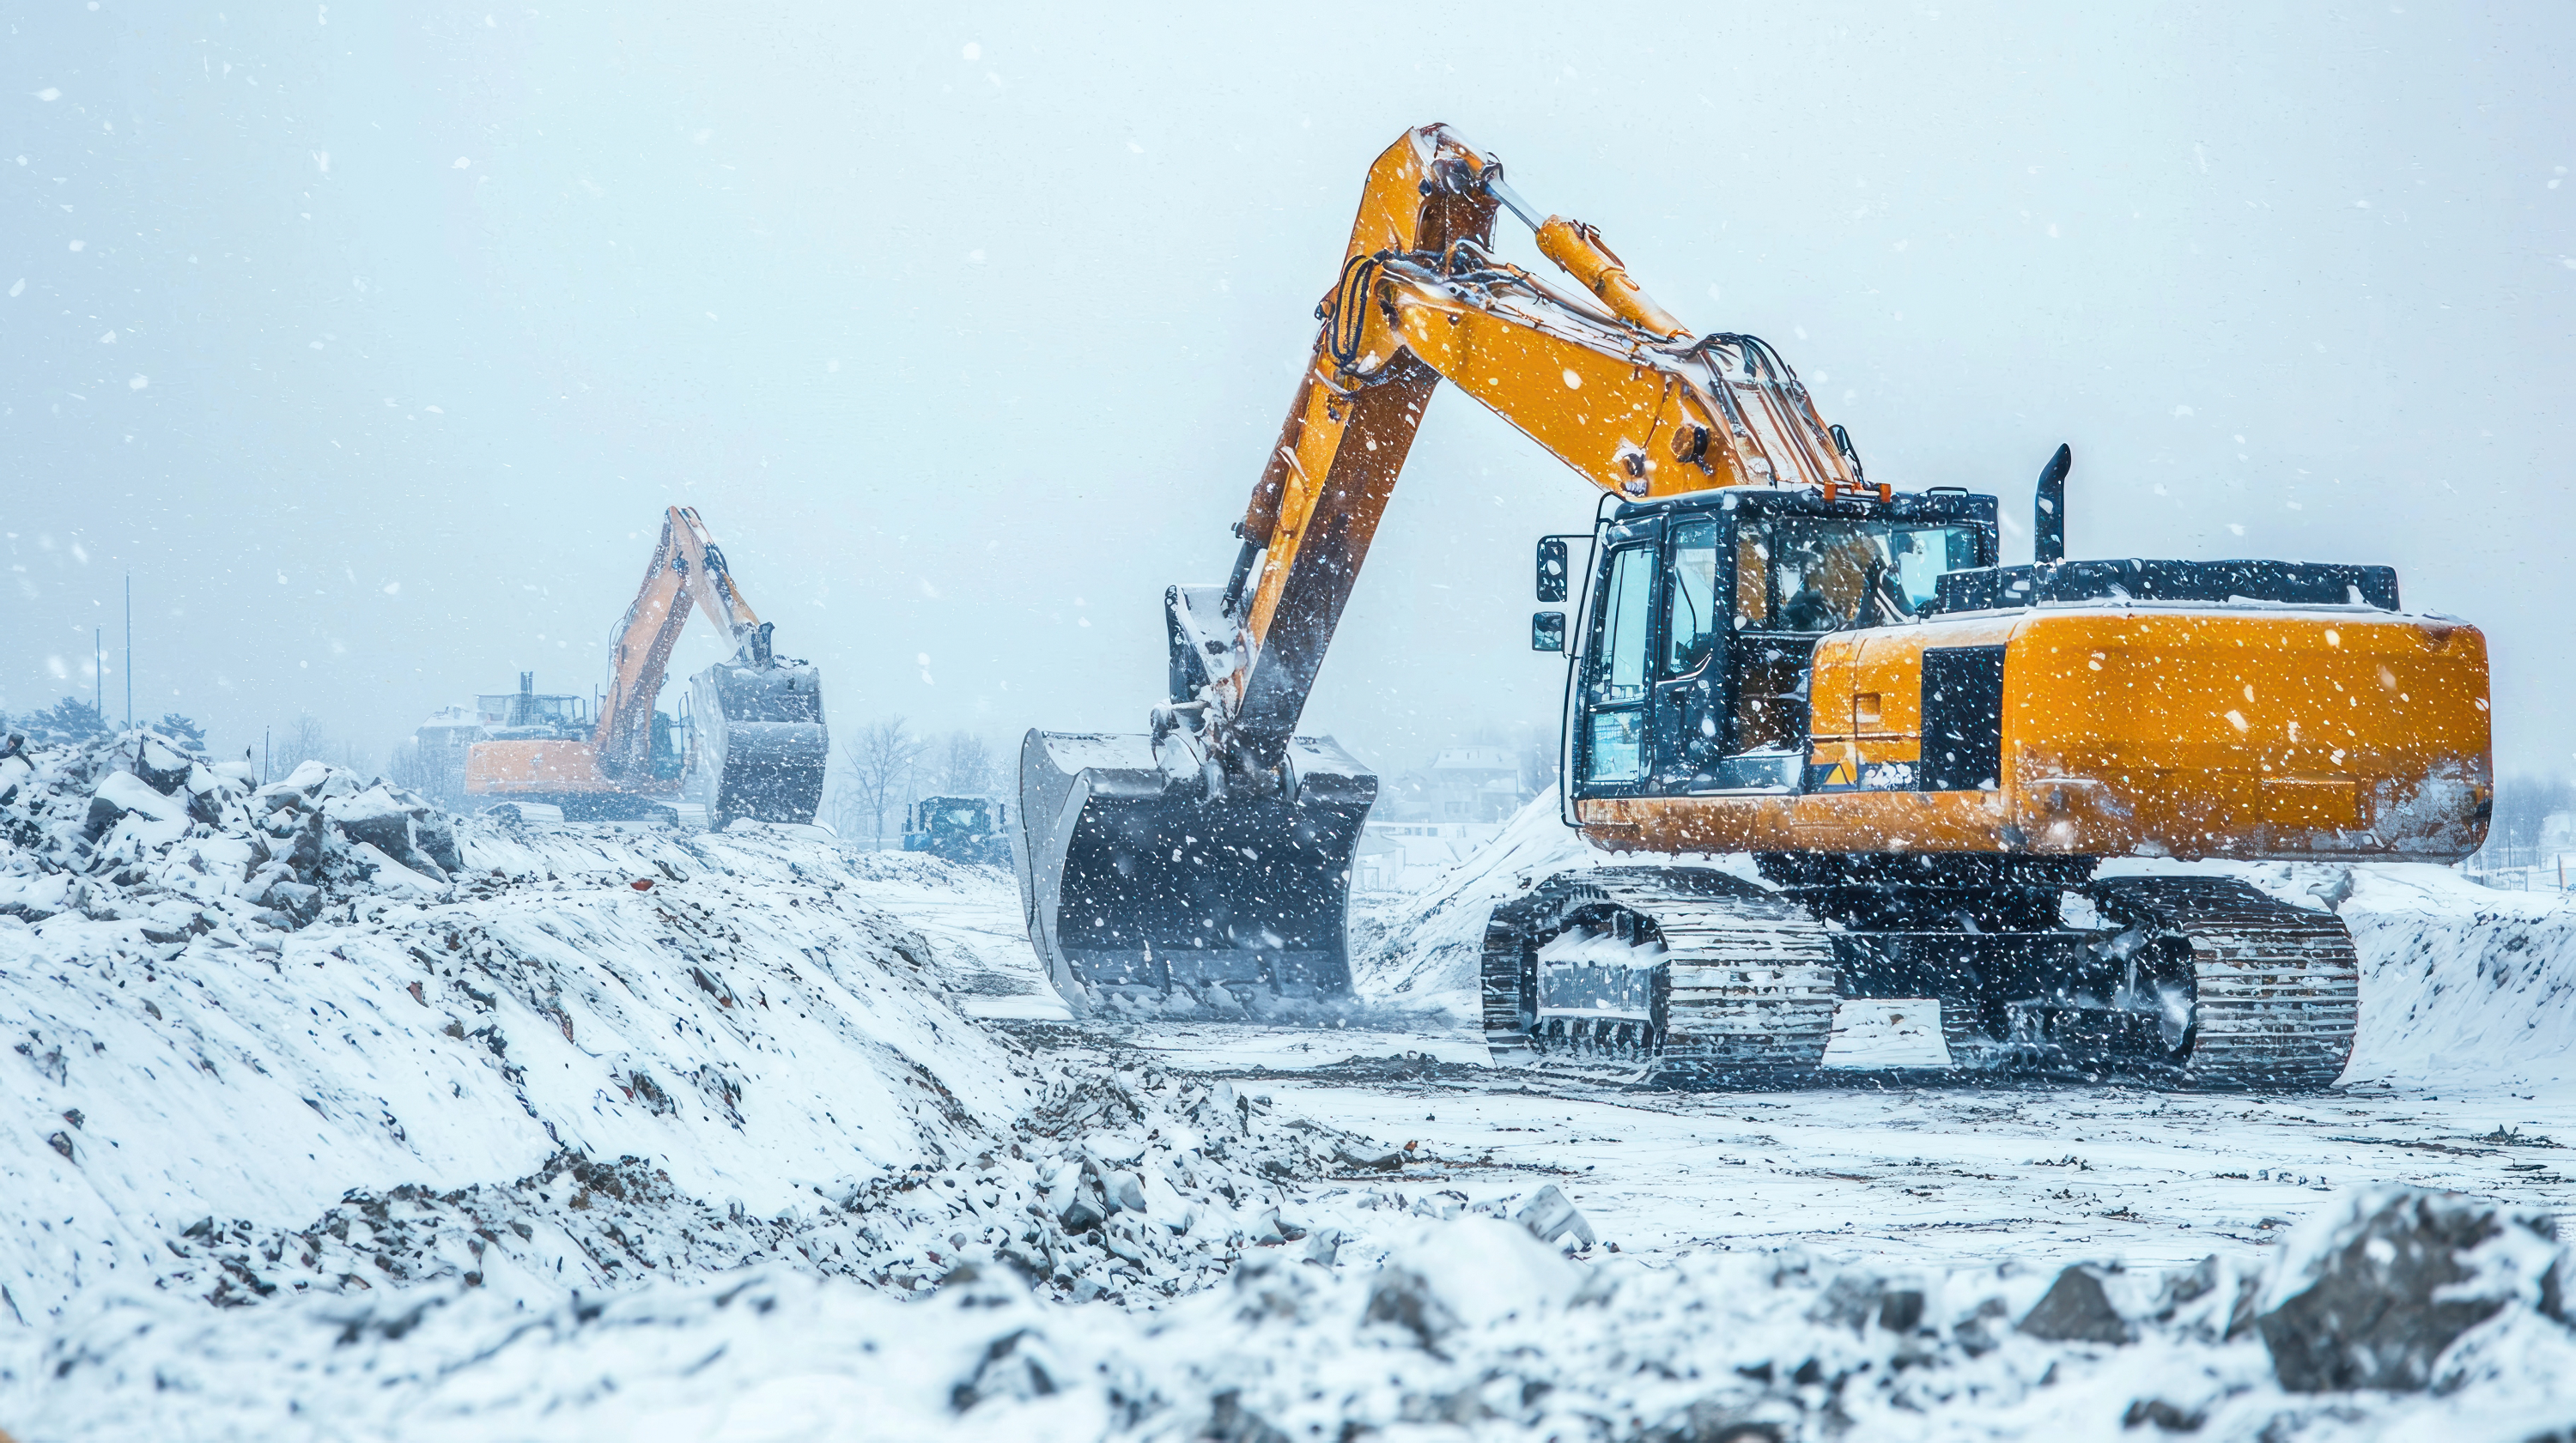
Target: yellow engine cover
2132,731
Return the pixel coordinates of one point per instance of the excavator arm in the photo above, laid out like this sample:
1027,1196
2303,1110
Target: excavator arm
687,568
1214,853
1606,381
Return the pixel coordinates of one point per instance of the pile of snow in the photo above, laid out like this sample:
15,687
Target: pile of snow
1445,1329
570,1058
1422,949
2460,983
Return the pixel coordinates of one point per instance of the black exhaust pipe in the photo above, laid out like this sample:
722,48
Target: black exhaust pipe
2048,531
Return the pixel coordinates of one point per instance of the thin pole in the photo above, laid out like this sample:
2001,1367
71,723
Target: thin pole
129,651
98,673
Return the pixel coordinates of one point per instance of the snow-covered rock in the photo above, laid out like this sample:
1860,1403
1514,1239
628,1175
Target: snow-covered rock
119,826
2371,1292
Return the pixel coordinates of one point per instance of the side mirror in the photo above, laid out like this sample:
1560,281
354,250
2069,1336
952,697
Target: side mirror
1551,573
1547,631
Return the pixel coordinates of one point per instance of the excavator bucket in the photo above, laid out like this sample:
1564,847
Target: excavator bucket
761,747
1140,889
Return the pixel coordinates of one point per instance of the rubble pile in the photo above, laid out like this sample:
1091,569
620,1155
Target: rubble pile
1466,1326
1132,1186
133,828
317,1037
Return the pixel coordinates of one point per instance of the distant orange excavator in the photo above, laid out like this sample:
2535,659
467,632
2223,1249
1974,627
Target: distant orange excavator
749,740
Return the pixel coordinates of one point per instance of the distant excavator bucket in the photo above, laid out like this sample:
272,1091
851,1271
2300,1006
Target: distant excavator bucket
760,748
1141,889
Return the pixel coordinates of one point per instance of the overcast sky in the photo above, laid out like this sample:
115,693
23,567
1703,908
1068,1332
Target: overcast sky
372,338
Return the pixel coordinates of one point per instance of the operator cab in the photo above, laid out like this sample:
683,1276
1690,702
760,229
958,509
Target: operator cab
531,715
1704,612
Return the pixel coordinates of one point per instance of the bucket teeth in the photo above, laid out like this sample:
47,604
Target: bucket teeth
1139,886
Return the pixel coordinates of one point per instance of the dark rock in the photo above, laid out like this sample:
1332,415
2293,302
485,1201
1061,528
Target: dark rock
1230,1422
1082,1212
298,901
161,768
2370,1296
436,838
389,832
2078,1308
2158,1413
60,1142
1404,1298
1717,1421
1900,1310
1017,1366
103,814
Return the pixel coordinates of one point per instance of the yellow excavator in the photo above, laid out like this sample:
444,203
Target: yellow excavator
750,738
1929,756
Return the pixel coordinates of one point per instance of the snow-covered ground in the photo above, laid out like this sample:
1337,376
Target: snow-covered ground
792,1143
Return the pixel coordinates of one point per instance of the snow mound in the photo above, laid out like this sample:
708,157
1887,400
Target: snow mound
1423,949
569,1058
2461,983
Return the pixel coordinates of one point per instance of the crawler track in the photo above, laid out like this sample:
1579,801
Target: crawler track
1745,992
2277,988
1692,977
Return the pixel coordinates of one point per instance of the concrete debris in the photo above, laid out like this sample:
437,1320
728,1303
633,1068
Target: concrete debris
1549,1216
130,827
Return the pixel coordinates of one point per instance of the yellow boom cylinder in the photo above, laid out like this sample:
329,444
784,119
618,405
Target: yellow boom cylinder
1578,248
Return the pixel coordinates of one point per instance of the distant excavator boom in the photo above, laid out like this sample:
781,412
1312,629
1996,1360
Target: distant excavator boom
687,568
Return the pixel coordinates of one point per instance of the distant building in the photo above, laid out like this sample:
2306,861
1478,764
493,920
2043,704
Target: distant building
1463,784
1408,856
1474,784
443,741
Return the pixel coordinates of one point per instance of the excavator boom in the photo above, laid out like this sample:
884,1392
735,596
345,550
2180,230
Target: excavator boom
1140,857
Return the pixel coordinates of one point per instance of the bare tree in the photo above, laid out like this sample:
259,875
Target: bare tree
968,769
303,742
404,767
879,773
2523,807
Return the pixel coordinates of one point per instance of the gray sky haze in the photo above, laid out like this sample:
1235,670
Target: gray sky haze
372,339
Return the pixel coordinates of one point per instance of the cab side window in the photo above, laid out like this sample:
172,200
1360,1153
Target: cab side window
1620,674
1690,601
1614,726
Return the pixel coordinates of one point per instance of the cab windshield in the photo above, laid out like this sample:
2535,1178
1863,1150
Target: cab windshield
1807,573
